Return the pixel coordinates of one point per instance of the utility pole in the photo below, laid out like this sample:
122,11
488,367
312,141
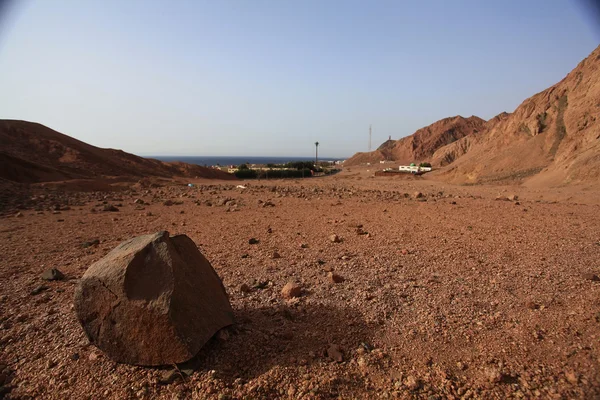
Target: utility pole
369,137
317,155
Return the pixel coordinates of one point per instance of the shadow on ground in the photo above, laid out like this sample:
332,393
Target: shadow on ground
283,336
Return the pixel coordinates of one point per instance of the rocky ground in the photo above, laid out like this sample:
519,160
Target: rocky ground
409,289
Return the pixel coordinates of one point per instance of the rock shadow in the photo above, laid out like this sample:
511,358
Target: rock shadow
285,336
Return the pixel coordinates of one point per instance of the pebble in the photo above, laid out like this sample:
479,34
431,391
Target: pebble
335,239
291,290
39,289
591,277
52,274
169,376
244,288
412,383
571,377
335,278
90,243
334,352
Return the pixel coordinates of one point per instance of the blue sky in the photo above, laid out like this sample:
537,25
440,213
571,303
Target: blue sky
269,78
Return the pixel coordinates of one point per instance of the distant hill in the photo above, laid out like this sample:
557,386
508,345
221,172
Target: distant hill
31,152
421,145
552,138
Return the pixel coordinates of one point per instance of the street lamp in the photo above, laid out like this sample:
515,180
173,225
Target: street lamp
317,155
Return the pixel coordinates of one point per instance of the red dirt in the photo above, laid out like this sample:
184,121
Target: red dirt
452,295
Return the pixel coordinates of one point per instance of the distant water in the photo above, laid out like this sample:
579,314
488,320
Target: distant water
237,160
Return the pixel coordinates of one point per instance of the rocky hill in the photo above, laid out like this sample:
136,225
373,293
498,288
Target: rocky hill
552,138
421,145
31,152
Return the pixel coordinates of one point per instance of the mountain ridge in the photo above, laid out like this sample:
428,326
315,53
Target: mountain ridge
32,153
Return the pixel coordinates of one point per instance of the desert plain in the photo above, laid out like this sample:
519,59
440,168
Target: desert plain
410,288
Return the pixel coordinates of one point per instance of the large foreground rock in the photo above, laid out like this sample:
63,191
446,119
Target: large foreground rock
153,300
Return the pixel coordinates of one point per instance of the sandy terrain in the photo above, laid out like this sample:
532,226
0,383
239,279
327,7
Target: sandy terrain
452,295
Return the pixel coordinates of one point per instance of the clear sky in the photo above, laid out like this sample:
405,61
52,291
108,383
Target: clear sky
266,78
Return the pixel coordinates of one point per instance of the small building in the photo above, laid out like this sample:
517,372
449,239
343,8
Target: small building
413,169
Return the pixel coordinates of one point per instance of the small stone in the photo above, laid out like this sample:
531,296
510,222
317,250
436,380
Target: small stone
187,371
52,274
404,252
94,242
335,278
275,255
39,289
412,383
571,377
334,352
493,375
335,239
252,241
532,305
110,208
291,290
591,277
513,197
75,356
168,203
223,335
19,214
169,376
417,195
138,201
244,288
327,268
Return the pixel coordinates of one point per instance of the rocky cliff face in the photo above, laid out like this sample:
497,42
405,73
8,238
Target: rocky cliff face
552,138
421,145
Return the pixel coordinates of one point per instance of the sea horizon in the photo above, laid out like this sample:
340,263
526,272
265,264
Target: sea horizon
237,160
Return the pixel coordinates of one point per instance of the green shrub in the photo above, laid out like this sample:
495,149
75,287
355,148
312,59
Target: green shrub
246,173
541,118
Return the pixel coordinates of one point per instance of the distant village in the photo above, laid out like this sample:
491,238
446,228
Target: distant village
290,166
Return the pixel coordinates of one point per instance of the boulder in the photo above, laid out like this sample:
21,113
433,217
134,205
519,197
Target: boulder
153,300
